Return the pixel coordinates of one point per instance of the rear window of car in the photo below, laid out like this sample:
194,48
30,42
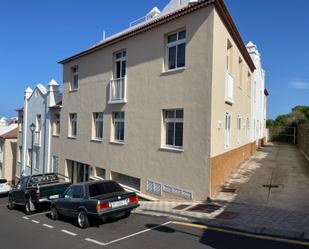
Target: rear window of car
3,181
103,188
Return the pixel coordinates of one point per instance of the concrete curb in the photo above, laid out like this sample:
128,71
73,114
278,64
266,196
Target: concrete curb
265,231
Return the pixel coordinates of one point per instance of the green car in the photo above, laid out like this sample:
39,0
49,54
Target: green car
35,190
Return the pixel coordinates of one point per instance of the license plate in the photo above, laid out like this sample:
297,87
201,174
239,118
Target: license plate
119,203
54,197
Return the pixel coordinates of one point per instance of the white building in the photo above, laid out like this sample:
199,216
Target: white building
259,94
36,111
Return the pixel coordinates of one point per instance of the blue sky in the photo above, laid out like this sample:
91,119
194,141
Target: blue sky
35,34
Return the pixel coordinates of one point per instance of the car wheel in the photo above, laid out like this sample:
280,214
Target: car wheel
54,213
27,207
11,204
82,219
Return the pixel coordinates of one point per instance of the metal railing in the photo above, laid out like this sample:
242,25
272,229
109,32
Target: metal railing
117,91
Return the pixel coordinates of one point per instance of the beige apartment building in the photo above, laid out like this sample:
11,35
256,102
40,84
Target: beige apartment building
8,149
163,107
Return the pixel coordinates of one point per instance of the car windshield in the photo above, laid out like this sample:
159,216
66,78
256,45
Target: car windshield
3,181
104,188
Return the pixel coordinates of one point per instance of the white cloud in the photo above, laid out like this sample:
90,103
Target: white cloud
300,84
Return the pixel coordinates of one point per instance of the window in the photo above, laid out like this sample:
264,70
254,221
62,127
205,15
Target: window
98,125
20,122
238,129
36,157
227,130
118,121
38,123
29,157
240,73
249,84
74,78
73,125
104,188
173,122
176,50
57,124
229,57
20,151
120,65
77,192
55,164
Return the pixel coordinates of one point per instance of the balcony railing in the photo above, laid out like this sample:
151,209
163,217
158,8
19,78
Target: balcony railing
117,91
37,138
229,88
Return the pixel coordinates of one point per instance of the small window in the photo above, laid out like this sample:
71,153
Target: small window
176,50
118,122
173,123
228,130
38,123
74,78
20,122
73,125
57,124
98,125
238,129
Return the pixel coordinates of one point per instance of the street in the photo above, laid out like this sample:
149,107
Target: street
38,231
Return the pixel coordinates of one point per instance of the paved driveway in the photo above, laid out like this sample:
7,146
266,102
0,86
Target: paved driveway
278,177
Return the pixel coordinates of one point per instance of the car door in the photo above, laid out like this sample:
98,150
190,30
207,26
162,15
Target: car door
19,191
77,200
62,204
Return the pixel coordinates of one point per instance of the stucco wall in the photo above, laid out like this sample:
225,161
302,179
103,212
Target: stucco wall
9,159
149,92
303,139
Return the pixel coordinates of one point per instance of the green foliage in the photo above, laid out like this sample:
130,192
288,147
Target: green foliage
299,114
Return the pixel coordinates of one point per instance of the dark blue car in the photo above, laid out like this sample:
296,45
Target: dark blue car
94,200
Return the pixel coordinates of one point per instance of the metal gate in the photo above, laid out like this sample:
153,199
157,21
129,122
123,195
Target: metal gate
283,134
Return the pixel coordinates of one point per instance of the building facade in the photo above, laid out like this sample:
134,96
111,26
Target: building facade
8,145
259,96
35,129
163,107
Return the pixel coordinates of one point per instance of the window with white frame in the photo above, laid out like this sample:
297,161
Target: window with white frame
98,125
57,124
173,124
74,78
120,65
20,122
20,152
38,122
55,164
229,84
228,118
36,156
73,125
118,123
238,129
29,157
176,50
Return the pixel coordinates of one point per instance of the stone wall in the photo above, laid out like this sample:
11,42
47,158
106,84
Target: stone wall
303,139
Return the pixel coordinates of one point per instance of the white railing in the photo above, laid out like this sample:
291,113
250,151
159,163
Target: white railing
229,89
117,91
37,138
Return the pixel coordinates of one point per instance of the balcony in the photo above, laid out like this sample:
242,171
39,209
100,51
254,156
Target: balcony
37,138
229,88
117,91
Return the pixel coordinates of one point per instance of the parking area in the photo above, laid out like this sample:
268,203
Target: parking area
38,231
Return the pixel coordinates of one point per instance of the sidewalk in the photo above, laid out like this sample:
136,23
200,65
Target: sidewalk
281,210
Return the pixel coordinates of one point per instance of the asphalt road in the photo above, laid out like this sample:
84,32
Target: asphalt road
38,231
